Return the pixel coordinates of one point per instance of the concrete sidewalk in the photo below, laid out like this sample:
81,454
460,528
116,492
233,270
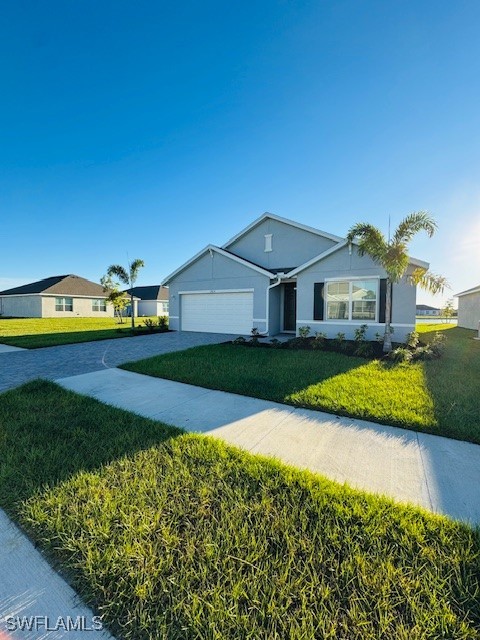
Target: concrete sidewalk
34,595
439,474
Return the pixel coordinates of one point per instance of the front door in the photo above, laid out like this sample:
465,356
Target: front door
289,306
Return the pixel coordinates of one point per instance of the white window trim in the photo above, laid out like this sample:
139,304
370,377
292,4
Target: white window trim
268,243
64,304
349,320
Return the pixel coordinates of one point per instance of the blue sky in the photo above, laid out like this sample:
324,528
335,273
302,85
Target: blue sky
152,128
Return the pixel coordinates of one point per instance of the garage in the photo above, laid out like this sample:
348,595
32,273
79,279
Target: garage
217,312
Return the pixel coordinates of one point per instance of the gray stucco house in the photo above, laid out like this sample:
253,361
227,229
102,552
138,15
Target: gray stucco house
278,275
65,296
469,308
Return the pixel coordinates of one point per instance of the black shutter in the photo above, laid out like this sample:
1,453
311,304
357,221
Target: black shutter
383,298
318,300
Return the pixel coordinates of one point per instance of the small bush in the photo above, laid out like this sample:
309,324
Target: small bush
150,324
239,340
319,341
255,335
401,354
437,345
275,344
360,333
303,332
339,341
163,323
413,339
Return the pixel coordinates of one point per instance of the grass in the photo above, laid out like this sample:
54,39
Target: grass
34,333
439,396
169,535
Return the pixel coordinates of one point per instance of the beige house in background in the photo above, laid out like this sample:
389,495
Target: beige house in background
65,296
469,308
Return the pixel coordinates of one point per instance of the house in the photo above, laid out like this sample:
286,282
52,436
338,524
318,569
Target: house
65,296
469,308
427,310
152,301
278,275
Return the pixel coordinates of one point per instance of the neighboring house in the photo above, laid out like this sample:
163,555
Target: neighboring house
469,308
153,300
427,310
56,297
278,275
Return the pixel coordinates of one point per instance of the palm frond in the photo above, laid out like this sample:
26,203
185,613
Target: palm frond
119,272
135,267
413,224
370,240
431,282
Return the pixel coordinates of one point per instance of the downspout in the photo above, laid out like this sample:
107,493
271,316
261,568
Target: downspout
267,316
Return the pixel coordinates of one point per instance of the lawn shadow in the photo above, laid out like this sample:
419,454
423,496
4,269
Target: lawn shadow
49,434
40,340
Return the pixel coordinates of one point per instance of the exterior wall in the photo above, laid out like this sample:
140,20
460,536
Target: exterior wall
21,306
216,273
82,308
274,310
469,311
343,265
291,246
150,308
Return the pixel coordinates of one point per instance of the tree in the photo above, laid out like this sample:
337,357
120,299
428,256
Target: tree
128,277
392,255
447,310
115,297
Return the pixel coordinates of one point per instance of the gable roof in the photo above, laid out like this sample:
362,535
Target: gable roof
341,245
468,291
154,292
222,252
291,223
427,307
70,285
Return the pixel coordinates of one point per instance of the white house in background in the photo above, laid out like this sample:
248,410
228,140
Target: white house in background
153,300
469,308
427,310
65,296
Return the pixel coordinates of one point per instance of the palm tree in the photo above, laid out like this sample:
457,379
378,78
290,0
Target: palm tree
127,276
392,255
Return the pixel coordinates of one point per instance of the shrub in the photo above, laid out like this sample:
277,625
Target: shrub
239,340
303,332
437,345
150,324
339,341
360,333
255,333
319,340
413,339
275,344
363,349
401,354
163,323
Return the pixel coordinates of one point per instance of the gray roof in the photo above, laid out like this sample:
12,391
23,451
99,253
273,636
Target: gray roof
427,307
153,292
68,285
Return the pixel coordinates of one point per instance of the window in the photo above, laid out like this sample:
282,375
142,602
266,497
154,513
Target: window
164,306
268,242
351,300
99,305
63,304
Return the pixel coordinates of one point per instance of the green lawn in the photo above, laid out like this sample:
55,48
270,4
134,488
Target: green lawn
438,396
32,333
169,535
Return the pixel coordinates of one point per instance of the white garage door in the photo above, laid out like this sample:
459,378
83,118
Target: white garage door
218,312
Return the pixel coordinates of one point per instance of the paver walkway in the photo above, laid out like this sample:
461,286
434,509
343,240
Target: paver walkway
73,359
439,474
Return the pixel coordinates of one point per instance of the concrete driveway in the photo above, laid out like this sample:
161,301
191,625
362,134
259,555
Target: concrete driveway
19,366
436,473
